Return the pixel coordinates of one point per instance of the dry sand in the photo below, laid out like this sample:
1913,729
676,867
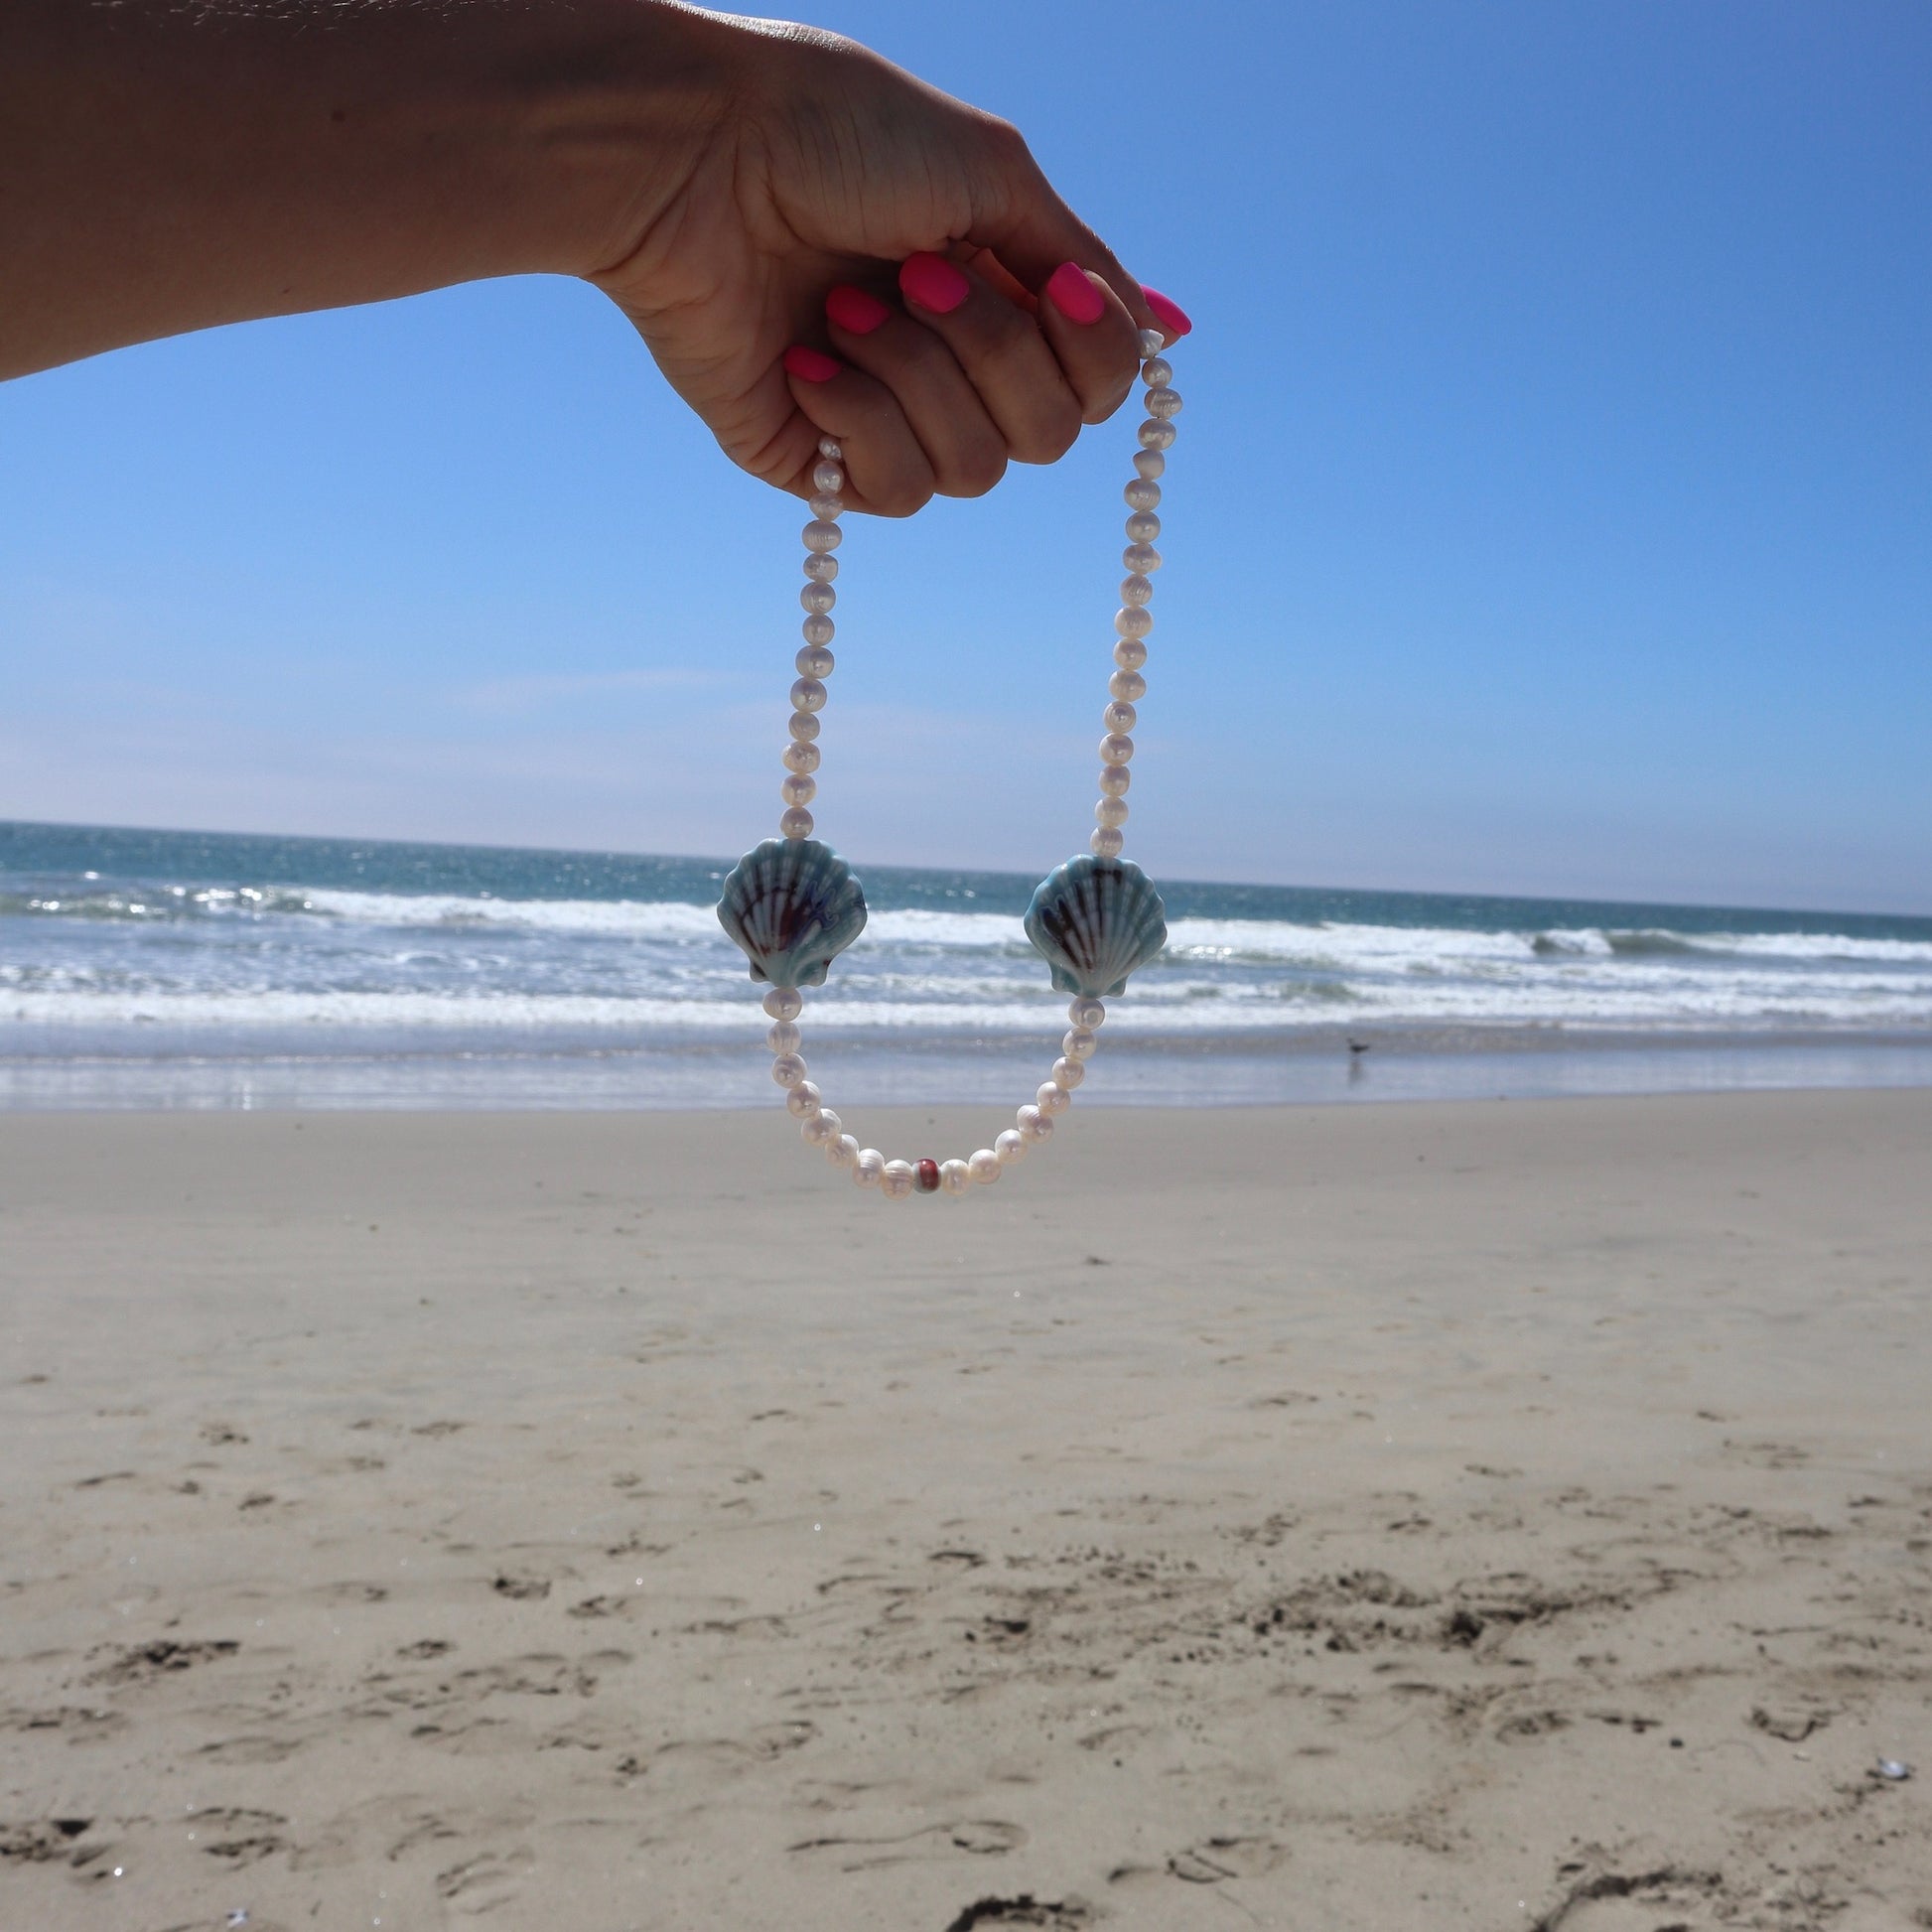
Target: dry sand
1398,1518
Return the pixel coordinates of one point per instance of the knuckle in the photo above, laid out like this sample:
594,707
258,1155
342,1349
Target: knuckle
1097,408
903,493
976,472
1049,438
1003,138
907,502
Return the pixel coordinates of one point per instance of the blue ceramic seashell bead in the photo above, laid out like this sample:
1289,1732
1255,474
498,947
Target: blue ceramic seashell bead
791,905
1094,921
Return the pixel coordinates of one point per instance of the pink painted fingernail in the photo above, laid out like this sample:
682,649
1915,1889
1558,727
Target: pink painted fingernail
856,312
810,365
933,283
1074,295
1166,311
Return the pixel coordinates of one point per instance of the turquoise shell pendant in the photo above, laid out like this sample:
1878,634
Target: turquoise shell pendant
791,907
1094,921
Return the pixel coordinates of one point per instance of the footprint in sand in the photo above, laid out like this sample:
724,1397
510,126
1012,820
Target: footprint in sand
486,1881
1056,1915
980,1836
145,1662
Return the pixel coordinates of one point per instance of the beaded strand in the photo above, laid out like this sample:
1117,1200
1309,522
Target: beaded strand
1032,1124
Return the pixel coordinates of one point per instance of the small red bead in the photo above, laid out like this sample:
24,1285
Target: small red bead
928,1177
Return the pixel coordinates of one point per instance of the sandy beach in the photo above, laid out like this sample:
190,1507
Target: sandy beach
1489,1516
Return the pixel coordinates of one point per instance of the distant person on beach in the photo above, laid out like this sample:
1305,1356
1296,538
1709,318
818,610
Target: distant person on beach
169,165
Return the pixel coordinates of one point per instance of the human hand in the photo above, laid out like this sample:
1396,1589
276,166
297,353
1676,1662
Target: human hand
972,318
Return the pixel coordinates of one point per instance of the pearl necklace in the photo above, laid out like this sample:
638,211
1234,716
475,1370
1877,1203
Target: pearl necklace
792,904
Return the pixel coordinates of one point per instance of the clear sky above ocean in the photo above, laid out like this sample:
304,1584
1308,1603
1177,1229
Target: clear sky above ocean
1552,512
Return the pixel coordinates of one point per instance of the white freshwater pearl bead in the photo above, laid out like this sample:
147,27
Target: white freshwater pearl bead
1156,373
1132,621
1031,1125
842,1152
1144,526
807,694
1141,557
867,1165
955,1177
1154,434
803,727
1150,464
1162,403
788,1069
783,1038
819,597
1086,1011
1130,685
1120,716
984,1166
1135,590
828,446
1067,1074
785,1003
1052,1098
1106,842
802,758
804,1100
820,1128
1152,342
1110,811
1010,1146
1114,779
1130,653
826,506
1116,748
815,659
797,789
826,475
895,1180
820,534
818,629
795,822
1143,494
821,570
1078,1043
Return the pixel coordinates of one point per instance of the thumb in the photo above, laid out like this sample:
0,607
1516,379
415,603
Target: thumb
1016,213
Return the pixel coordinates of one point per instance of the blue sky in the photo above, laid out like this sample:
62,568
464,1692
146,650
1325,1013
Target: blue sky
1552,512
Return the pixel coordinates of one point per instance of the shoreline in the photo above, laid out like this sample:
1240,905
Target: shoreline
683,1075
1419,1516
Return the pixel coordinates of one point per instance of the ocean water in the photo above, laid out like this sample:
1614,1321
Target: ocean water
190,969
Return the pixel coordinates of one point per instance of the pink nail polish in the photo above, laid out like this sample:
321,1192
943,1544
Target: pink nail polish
1166,311
810,365
856,312
1074,296
933,283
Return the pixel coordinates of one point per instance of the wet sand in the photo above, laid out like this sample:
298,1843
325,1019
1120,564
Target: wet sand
1486,1516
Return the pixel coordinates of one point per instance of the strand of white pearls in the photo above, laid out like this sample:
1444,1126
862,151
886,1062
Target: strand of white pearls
1133,621
814,661
1032,1125
820,1127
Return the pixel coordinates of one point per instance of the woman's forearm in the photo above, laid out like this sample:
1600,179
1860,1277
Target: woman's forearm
172,164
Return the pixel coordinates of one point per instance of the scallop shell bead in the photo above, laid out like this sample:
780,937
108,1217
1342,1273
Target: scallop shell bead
791,905
1095,921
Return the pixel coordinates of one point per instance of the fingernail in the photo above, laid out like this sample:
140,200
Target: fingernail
856,312
933,283
1074,295
1166,311
810,365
